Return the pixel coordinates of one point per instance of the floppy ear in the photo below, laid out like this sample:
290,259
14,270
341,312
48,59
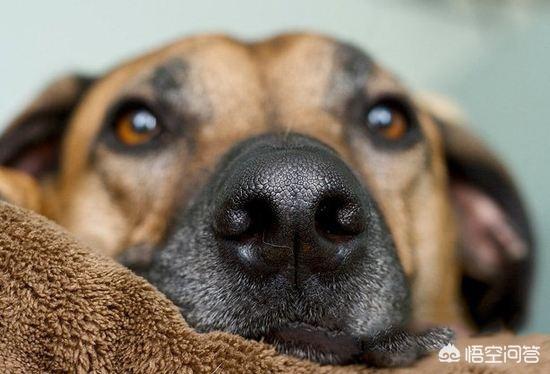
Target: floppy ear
496,245
20,189
32,141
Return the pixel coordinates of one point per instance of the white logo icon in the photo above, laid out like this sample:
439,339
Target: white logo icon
449,353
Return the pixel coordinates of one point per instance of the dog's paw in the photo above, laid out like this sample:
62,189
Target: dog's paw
396,347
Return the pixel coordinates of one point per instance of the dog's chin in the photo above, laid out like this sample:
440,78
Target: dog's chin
314,343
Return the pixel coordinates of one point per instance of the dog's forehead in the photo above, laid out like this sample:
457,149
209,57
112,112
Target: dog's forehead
292,82
303,66
297,50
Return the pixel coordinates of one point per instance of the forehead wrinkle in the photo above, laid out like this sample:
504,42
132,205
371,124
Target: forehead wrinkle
294,69
166,79
349,75
230,76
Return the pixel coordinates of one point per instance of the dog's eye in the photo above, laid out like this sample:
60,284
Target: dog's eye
388,120
135,126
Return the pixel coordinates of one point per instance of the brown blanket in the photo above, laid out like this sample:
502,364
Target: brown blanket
66,309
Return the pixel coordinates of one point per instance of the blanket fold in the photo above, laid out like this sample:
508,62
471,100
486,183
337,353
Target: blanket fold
64,308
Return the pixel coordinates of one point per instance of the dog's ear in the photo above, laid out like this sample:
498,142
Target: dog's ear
496,245
20,189
31,142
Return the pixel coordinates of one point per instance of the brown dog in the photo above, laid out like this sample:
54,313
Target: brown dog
118,159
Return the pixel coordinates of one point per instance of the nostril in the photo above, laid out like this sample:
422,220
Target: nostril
338,219
246,222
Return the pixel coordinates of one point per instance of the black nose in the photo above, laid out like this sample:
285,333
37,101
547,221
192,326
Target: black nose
290,206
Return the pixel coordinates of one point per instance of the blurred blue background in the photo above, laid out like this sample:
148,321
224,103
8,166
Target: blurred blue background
492,57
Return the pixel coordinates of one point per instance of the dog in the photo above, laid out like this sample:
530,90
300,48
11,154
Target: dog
290,190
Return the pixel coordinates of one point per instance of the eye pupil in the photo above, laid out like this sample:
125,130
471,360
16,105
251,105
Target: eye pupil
143,121
136,126
388,121
380,116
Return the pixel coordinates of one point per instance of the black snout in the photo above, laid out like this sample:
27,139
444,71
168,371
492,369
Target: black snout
290,206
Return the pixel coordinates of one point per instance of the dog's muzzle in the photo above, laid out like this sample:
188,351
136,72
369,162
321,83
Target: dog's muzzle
283,243
290,206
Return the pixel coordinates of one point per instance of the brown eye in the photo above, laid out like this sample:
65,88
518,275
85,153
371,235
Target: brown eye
136,126
388,121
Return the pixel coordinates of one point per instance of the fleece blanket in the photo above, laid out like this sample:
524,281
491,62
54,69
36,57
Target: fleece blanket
64,308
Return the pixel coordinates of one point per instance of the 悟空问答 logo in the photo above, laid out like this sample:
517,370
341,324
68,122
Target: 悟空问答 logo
449,353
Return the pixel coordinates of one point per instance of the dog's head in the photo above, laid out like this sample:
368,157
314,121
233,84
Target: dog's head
280,190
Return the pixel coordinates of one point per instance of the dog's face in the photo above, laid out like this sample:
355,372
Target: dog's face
275,190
